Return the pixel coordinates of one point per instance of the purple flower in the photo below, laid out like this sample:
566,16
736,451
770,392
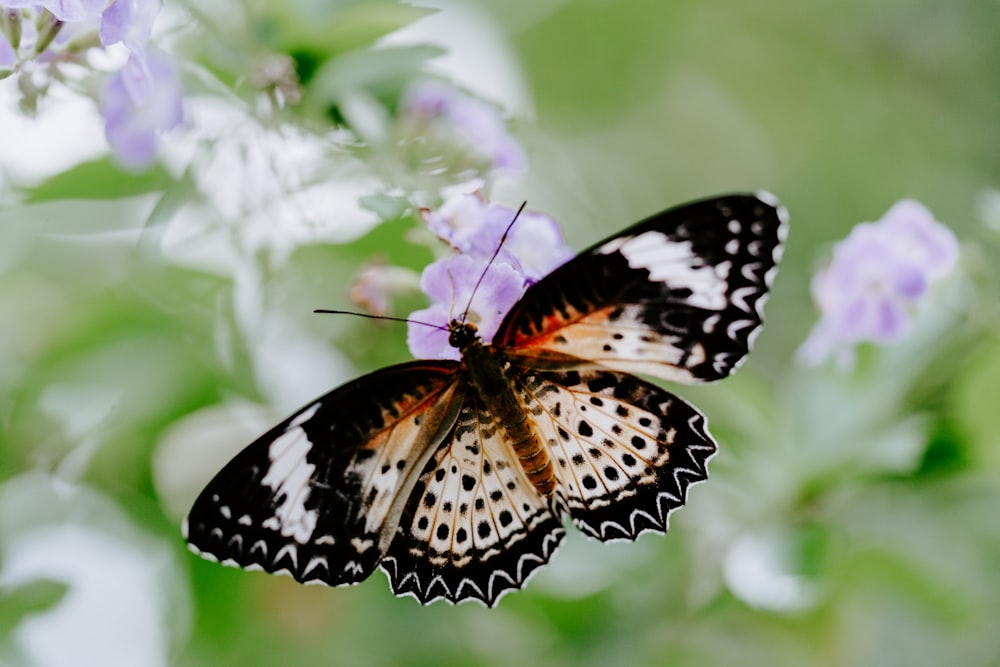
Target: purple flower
8,59
922,240
69,11
877,276
144,97
475,228
449,283
462,223
536,242
534,245
479,121
134,114
129,22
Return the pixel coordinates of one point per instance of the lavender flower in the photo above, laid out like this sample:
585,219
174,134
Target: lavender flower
69,11
138,101
462,223
8,59
132,121
471,225
449,283
129,22
877,276
144,97
536,242
475,228
479,121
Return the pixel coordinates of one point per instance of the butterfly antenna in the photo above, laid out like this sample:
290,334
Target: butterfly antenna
451,302
496,252
380,317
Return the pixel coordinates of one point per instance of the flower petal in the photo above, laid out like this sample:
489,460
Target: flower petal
129,22
450,283
69,11
131,124
8,59
479,121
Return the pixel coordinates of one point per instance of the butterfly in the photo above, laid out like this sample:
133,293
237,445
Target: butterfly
454,477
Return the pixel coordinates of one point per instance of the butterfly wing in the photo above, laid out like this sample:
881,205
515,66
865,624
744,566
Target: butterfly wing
404,468
475,526
677,296
624,450
320,495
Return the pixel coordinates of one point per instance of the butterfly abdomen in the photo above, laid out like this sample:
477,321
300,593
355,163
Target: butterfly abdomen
486,371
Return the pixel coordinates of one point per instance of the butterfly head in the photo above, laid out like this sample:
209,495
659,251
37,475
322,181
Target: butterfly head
462,334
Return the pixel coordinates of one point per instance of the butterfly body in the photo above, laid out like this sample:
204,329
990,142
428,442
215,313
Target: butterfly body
454,476
485,366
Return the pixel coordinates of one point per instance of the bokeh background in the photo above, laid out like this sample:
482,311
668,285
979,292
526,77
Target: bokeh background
153,322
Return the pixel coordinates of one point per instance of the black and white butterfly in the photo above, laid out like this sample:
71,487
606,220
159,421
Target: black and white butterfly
454,476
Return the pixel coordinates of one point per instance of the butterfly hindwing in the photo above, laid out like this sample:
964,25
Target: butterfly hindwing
319,495
475,527
677,296
625,451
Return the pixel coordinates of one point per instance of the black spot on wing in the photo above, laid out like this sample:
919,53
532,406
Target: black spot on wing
629,472
480,554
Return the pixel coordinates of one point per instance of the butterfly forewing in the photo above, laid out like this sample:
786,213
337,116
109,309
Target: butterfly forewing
625,450
475,526
320,495
677,296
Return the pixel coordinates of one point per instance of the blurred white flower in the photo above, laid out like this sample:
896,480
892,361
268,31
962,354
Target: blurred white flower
194,448
988,208
756,570
262,191
125,604
375,285
477,56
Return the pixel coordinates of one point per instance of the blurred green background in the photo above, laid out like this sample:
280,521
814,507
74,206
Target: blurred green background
154,323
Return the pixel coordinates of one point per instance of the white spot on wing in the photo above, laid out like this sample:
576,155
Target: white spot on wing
315,562
288,478
675,264
304,416
361,545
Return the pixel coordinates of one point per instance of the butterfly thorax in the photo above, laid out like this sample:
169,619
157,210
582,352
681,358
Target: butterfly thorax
486,367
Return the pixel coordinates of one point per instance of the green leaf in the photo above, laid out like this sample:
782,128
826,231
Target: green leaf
335,28
99,179
29,598
379,71
975,399
386,207
388,243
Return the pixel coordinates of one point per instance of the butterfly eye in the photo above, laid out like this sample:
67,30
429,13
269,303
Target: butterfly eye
461,334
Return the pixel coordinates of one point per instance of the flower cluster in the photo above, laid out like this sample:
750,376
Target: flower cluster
877,276
476,229
478,121
138,101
